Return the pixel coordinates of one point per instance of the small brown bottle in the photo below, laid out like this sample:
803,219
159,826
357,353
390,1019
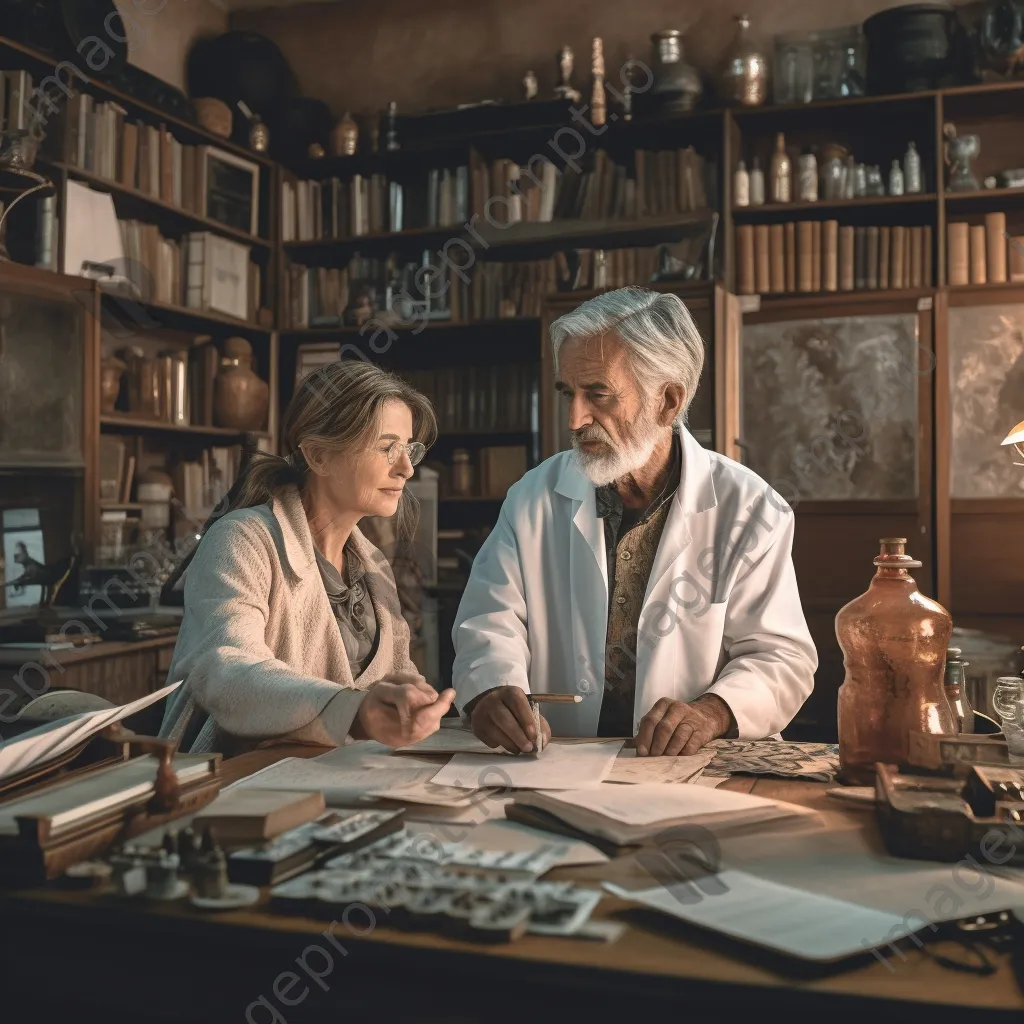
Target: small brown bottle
956,690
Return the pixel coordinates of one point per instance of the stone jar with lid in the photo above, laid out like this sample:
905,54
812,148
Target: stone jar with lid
677,85
240,398
894,642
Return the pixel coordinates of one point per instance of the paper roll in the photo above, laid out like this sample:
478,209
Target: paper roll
957,262
790,257
762,259
978,252
995,247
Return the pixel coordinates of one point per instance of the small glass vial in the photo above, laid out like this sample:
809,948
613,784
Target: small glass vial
741,185
756,184
956,690
850,179
875,185
807,189
860,181
462,474
912,170
896,179
1008,702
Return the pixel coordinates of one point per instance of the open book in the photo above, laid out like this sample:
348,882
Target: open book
50,742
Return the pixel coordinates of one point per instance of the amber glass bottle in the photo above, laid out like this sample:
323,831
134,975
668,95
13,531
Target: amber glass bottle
894,642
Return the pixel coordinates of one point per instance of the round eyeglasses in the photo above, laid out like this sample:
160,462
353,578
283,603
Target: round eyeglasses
414,449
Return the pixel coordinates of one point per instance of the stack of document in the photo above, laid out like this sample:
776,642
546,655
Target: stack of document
629,815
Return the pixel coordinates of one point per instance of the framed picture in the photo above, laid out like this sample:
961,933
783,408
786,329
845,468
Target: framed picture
230,189
22,543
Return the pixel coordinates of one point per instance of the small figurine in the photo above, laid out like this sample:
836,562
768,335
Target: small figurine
564,90
49,578
960,151
391,137
530,85
259,133
598,101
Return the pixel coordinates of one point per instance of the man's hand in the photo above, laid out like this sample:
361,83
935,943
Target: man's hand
502,717
400,709
674,727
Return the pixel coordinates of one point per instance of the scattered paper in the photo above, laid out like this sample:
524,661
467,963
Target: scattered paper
632,769
427,793
560,766
483,806
338,785
710,781
779,917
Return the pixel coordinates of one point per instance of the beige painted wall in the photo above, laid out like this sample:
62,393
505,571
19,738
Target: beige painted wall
358,54
166,33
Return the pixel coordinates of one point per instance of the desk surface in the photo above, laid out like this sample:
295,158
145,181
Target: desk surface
214,967
16,656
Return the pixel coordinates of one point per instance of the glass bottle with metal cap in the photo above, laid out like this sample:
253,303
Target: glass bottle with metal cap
956,690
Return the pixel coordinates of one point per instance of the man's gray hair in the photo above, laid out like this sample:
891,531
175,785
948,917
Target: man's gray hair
661,339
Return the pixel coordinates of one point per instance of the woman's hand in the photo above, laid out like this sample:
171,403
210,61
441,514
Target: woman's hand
401,709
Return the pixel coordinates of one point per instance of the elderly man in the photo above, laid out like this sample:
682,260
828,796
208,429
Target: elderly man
640,570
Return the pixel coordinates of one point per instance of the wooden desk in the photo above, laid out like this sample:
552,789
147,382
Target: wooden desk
72,952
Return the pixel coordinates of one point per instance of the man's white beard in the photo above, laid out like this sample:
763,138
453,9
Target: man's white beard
634,452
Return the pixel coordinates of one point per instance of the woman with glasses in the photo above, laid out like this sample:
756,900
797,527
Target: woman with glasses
292,626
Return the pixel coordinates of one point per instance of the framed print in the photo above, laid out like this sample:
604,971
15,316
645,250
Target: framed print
230,189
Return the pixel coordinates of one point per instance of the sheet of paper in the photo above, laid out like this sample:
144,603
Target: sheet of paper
560,766
632,769
779,917
650,803
50,741
710,781
427,793
460,821
338,784
452,741
92,234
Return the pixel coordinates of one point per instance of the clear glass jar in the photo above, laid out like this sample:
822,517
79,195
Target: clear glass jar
1008,702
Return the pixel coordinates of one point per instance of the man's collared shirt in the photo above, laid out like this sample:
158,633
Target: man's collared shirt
631,539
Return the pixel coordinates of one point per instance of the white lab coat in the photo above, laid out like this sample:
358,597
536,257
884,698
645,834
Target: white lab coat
721,614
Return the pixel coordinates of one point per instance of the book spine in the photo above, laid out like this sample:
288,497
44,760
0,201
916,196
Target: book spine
916,252
805,256
860,259
816,256
777,256
957,261
906,257
978,274
1017,258
790,257
830,255
896,262
846,275
884,244
763,259
927,257
747,281
995,246
872,257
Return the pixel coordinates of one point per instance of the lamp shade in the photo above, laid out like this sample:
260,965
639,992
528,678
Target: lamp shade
1015,436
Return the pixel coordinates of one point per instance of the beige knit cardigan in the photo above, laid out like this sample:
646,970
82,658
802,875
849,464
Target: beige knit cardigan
259,650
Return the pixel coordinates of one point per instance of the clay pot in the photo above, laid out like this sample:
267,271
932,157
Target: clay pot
214,115
240,398
111,371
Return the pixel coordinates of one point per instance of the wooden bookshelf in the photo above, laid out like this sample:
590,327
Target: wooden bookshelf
828,205
184,219
130,423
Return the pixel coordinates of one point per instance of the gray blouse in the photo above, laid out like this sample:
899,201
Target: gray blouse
352,607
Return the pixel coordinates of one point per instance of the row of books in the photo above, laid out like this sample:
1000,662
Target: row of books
201,485
16,100
330,296
658,183
823,256
983,253
372,205
143,157
500,397
204,271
